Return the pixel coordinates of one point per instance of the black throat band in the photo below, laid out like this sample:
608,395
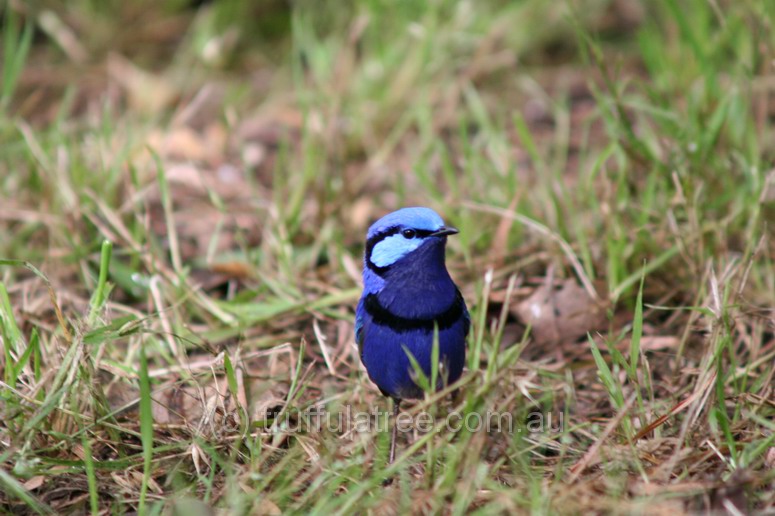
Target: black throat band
384,317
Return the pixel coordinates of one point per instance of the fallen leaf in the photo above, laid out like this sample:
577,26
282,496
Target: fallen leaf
146,92
38,480
361,213
137,478
265,507
559,313
181,143
658,342
233,269
192,507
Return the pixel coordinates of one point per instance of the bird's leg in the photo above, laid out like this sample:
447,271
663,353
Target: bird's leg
394,434
396,406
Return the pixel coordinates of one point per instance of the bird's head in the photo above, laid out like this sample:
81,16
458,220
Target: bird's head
403,234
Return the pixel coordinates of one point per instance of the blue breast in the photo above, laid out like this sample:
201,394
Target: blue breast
400,311
384,348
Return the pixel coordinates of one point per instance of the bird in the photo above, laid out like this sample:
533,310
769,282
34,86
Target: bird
407,294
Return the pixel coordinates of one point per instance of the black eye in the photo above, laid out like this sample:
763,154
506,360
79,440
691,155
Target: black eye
409,233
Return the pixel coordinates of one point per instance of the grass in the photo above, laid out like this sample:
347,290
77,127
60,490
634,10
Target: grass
185,192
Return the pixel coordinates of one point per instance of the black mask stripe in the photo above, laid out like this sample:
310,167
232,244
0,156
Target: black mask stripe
371,242
384,317
379,237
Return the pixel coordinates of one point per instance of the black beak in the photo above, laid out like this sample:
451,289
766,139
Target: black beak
444,231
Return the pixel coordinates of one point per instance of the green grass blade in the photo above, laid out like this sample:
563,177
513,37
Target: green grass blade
56,390
420,377
637,331
604,372
435,357
101,293
13,339
15,50
231,379
91,477
32,348
146,427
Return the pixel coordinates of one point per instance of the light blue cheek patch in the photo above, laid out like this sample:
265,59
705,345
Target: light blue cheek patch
392,249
